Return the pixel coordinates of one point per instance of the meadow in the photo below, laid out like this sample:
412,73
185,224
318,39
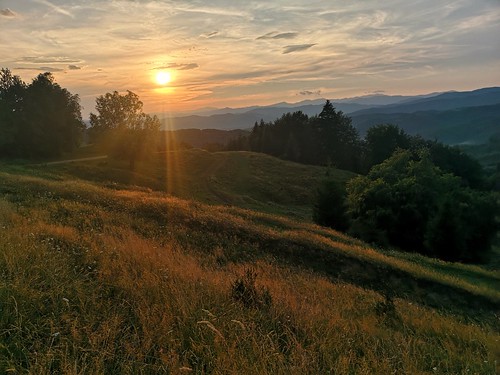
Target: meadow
208,263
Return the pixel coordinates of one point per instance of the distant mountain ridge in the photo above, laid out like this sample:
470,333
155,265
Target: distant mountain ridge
465,125
445,101
449,117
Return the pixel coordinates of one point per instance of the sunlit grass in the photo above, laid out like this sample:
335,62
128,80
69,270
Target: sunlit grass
98,280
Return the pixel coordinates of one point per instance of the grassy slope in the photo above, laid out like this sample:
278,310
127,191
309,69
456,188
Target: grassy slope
98,280
243,179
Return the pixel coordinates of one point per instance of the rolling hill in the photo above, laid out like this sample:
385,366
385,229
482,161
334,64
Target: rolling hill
442,102
207,263
464,125
244,179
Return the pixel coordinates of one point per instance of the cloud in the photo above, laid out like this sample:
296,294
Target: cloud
240,51
50,69
7,12
212,11
275,35
209,35
47,60
55,8
177,66
309,93
297,47
42,69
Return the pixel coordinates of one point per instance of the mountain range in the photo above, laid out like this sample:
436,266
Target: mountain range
467,117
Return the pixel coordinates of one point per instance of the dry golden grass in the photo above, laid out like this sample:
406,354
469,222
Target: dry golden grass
98,281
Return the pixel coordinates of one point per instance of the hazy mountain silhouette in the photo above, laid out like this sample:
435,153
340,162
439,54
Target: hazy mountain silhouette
450,117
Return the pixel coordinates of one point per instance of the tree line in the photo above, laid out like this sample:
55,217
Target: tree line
411,194
408,203
43,120
330,139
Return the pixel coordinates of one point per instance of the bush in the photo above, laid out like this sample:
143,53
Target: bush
245,291
409,203
330,207
463,227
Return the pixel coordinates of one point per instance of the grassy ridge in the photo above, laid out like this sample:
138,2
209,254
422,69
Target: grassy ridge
100,280
243,179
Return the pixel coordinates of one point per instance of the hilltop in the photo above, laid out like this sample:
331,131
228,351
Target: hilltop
167,269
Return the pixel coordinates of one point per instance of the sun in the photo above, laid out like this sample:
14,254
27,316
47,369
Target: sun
163,77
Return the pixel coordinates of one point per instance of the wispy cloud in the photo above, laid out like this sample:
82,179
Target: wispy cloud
309,93
275,35
50,69
209,35
297,47
177,66
227,52
48,59
54,7
7,13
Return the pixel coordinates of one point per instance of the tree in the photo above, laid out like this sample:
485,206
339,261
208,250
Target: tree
37,120
122,125
116,111
381,142
408,202
337,138
463,227
330,208
54,118
12,92
454,160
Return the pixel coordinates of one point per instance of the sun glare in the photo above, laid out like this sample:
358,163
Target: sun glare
163,77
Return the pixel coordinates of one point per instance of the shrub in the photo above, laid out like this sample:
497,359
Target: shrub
330,207
245,291
409,203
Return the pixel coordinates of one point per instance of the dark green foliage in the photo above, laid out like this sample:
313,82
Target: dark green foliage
37,120
408,202
328,138
245,291
382,141
463,227
338,140
288,137
330,207
453,160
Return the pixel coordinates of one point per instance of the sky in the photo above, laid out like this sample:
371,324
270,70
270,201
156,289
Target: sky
240,53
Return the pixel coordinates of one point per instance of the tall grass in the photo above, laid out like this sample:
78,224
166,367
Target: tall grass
94,280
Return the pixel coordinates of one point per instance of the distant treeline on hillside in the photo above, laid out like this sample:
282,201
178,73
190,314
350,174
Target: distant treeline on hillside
330,139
